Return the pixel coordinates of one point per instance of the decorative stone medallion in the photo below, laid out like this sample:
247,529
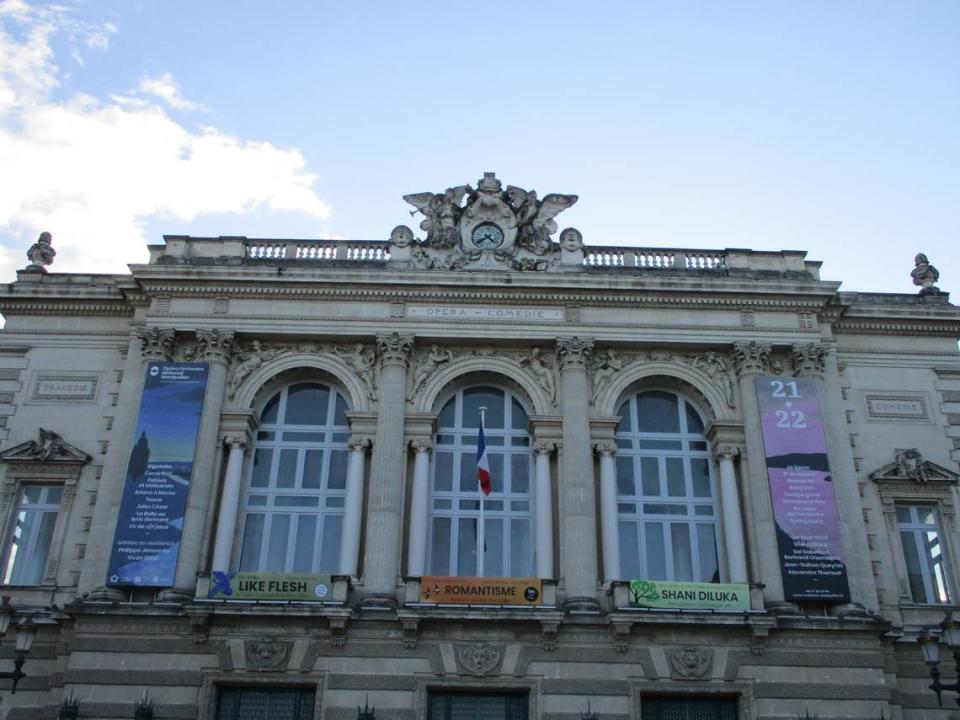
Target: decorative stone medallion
478,659
690,663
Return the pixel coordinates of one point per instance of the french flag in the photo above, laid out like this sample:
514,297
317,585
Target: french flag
483,464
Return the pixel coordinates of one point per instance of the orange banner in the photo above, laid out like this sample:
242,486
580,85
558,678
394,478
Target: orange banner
481,590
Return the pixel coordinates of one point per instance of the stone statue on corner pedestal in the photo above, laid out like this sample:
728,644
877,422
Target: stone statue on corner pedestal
925,275
41,253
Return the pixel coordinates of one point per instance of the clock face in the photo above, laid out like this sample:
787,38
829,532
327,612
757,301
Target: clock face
487,236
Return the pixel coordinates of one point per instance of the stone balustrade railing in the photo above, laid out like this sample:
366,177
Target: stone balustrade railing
379,250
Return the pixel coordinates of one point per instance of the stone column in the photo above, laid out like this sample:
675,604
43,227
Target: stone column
381,560
609,525
353,507
214,348
814,361
229,504
419,507
752,359
543,518
148,345
724,456
578,526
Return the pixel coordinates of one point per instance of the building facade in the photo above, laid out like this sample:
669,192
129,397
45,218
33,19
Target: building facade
242,479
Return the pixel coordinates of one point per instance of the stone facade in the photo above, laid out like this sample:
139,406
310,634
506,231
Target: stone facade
398,328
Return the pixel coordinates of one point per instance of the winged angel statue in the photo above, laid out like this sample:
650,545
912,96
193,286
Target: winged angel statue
535,218
441,212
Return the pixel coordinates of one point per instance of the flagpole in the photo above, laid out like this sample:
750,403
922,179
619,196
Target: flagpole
482,532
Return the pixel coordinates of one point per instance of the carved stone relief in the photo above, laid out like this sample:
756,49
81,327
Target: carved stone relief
690,663
266,654
808,359
478,659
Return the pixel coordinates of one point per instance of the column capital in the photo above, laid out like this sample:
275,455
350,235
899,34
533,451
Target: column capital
359,443
808,359
574,352
751,358
394,349
544,447
214,345
235,441
605,447
156,343
421,445
726,450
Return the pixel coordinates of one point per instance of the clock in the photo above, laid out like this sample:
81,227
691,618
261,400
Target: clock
487,236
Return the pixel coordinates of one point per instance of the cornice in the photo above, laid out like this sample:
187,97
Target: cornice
899,326
51,306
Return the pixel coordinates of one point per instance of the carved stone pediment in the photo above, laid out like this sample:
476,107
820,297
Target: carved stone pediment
909,466
48,449
487,228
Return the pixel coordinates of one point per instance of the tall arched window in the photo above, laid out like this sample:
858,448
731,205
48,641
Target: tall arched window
666,505
455,491
296,485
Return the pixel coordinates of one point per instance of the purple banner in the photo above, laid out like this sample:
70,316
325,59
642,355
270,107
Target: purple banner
801,486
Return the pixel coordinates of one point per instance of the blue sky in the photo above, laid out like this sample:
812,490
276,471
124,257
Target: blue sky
830,127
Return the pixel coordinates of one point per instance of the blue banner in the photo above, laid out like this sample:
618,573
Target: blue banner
147,541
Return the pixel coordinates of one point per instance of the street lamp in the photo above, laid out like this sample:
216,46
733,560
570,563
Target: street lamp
930,647
24,640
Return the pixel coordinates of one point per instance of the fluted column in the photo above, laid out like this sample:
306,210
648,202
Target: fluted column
578,529
214,348
544,508
610,535
814,361
381,559
353,507
148,345
419,507
724,455
229,504
752,359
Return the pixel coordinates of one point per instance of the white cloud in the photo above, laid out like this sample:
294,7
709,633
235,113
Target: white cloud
93,171
167,89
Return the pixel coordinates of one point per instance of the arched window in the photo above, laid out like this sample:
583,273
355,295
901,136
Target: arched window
666,507
296,484
455,491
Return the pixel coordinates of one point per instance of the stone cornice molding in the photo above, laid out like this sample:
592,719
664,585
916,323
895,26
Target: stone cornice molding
214,346
157,343
574,352
751,358
808,359
72,307
899,327
394,349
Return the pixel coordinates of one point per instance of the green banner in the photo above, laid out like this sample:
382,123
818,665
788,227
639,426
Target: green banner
734,597
269,586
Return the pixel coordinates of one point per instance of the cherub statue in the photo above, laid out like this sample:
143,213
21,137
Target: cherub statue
925,275
543,371
41,253
49,444
441,213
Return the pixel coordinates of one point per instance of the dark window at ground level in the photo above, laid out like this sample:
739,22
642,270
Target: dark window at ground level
488,706
674,708
243,703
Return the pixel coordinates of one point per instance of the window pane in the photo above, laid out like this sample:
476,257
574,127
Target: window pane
700,471
629,551
925,515
296,501
276,560
496,472
694,423
625,481
658,412
519,419
443,473
682,552
338,470
307,405
252,536
659,444
330,544
625,425
467,546
493,547
903,515
447,418
650,476
287,471
654,551
262,459
707,549
914,573
469,482
269,415
305,543
676,487
521,552
53,495
340,413
474,399
312,469
520,473
440,547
